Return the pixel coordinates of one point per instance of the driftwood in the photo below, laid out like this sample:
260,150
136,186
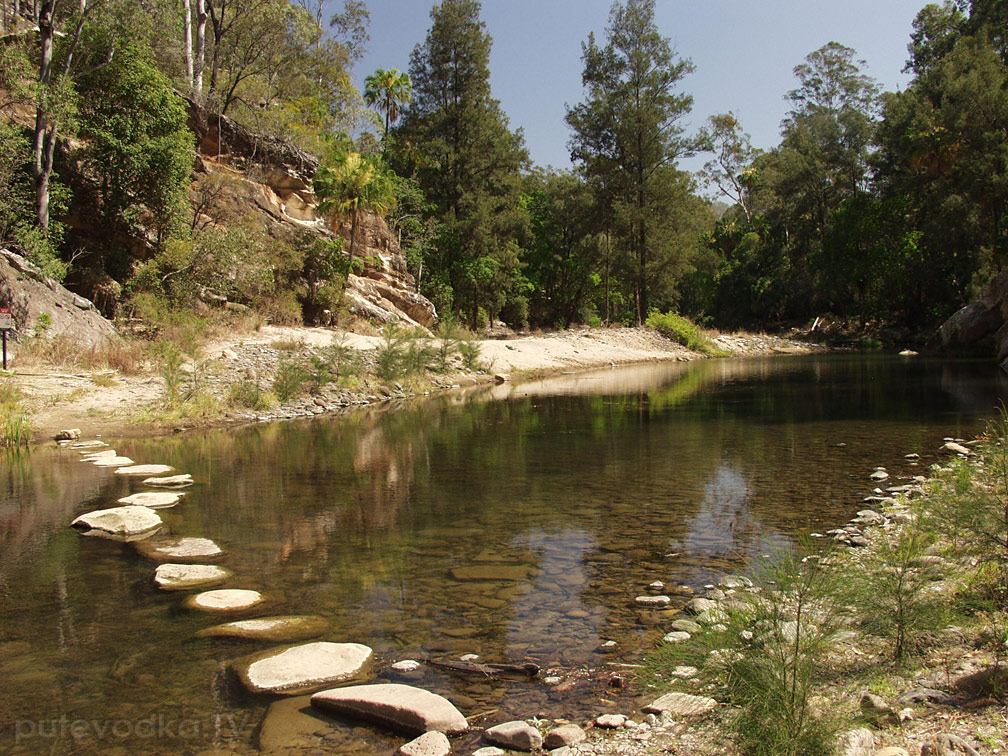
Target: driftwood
520,671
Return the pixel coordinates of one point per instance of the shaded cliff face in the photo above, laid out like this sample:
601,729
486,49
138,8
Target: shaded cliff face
982,325
240,174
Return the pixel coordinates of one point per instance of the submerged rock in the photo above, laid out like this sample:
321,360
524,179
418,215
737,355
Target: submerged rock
276,629
292,728
152,499
180,577
118,523
144,470
491,572
431,743
515,735
225,600
299,669
393,705
179,549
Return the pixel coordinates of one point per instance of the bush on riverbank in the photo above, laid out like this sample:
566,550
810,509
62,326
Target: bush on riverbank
682,331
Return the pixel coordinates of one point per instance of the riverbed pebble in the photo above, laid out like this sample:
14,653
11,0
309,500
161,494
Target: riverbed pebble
431,743
515,735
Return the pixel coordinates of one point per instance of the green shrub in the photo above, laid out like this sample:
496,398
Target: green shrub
682,331
290,378
247,395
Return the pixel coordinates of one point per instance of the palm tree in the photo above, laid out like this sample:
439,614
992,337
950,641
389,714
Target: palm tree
350,183
387,91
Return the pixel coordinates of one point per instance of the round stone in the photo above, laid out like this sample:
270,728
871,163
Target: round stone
180,577
152,499
225,600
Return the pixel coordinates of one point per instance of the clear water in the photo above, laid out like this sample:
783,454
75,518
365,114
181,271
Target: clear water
597,484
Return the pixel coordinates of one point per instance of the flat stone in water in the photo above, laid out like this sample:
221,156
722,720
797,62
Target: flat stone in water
180,577
88,444
112,461
292,727
92,456
299,669
275,629
144,470
659,601
225,600
402,707
118,523
170,481
179,549
152,499
491,572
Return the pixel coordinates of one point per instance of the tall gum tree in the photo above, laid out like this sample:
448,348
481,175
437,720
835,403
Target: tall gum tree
627,136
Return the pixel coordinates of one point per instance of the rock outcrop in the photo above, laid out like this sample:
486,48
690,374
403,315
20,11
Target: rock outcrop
980,325
38,302
240,172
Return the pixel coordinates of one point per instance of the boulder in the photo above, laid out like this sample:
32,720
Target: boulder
152,499
284,629
401,707
515,735
431,743
224,600
700,606
180,577
144,470
299,669
857,742
876,711
179,549
565,735
118,523
681,705
610,721
70,434
686,626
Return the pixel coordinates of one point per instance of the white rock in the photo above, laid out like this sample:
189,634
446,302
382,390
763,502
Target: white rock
431,743
225,600
282,629
515,735
87,456
405,666
144,470
398,706
113,461
489,751
171,481
951,447
301,668
95,444
179,577
610,721
676,636
685,672
152,499
653,601
565,735
118,523
681,705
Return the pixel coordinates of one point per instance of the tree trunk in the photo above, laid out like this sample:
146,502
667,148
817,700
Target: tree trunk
187,41
201,19
44,138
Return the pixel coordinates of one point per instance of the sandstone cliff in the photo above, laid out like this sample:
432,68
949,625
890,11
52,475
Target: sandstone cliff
239,172
980,325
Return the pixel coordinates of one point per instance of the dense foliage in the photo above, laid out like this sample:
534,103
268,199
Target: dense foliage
877,208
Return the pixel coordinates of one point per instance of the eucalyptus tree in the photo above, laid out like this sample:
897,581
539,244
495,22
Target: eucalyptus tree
731,169
455,140
627,137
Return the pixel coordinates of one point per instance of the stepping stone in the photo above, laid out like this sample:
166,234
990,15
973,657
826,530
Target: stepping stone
400,707
224,600
491,572
88,444
293,728
653,601
299,669
152,499
682,705
180,577
285,629
118,523
179,549
144,470
112,462
92,456
172,481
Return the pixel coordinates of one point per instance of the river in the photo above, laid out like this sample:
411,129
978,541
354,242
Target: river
586,487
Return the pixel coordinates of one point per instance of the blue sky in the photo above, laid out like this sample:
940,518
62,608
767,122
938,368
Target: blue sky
744,52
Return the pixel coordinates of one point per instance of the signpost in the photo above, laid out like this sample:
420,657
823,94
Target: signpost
6,324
